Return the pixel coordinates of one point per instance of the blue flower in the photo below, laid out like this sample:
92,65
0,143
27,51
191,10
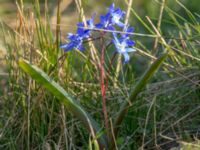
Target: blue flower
85,31
81,31
116,15
122,46
76,41
113,17
127,30
90,23
105,22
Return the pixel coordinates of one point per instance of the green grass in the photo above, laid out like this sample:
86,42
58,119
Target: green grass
164,114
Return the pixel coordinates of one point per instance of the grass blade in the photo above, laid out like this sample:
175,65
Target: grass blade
70,103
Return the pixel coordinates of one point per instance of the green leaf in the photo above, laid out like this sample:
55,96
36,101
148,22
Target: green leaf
139,86
70,103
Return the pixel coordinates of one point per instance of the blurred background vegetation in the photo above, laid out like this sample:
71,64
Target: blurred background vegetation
142,7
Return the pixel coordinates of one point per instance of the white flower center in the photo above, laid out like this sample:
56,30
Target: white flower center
116,18
121,47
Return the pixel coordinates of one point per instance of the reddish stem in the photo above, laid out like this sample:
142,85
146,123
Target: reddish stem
103,87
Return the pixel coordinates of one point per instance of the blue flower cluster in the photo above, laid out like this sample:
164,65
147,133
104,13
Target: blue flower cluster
113,18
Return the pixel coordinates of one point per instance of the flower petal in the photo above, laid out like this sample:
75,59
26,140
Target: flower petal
130,50
115,40
126,58
81,48
63,46
111,8
120,24
130,42
99,26
71,36
69,47
110,27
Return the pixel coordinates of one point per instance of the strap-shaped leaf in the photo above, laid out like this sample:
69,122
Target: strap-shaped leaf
70,103
139,86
